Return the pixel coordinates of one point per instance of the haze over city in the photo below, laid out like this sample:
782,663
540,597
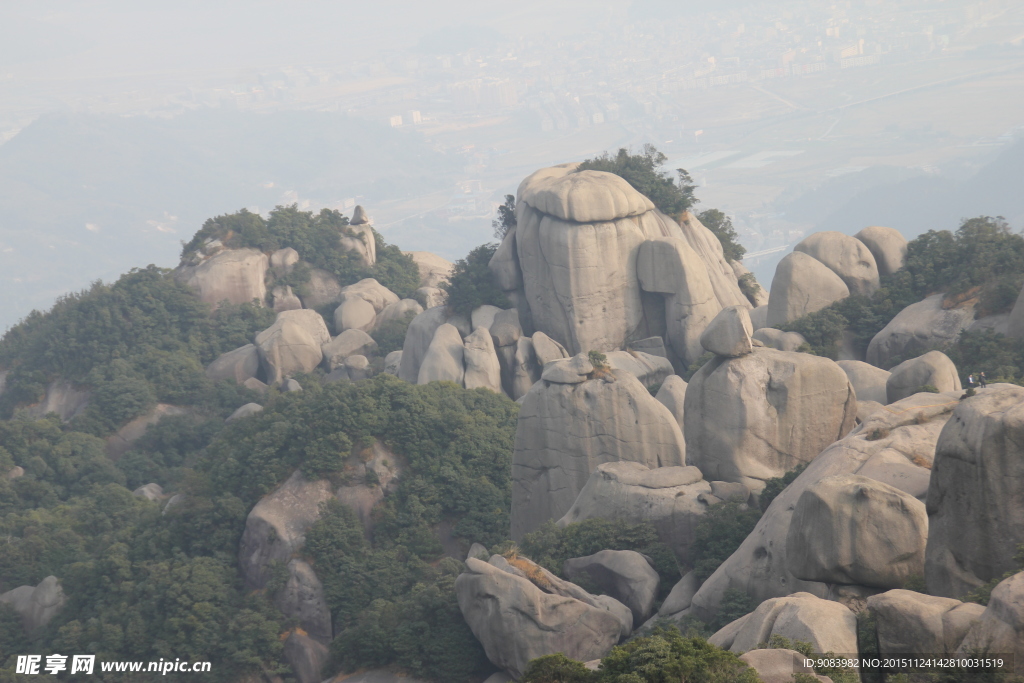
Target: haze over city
123,127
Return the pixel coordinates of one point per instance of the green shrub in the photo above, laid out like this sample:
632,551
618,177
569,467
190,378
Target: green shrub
641,171
721,225
719,533
506,219
557,668
472,283
391,335
735,604
666,656
773,487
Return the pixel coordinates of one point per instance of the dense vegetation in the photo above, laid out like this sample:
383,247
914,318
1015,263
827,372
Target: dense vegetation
641,171
982,259
315,237
472,283
721,225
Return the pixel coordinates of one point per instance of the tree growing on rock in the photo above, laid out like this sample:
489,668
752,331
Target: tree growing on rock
472,283
641,171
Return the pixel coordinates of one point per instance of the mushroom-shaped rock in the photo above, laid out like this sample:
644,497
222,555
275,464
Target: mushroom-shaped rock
237,366
672,395
516,621
584,196
907,622
778,665
893,446
292,344
752,418
975,497
802,285
625,575
650,370
235,275
397,311
728,333
433,269
245,411
827,625
547,349
847,257
867,380
482,367
1000,628
669,498
566,430
443,361
276,527
932,369
302,598
359,216
887,245
285,299
306,657
417,340
348,343
854,530
917,328
777,339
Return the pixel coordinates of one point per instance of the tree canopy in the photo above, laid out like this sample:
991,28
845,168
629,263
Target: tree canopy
671,195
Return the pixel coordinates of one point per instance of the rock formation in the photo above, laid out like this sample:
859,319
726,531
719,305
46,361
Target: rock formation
625,575
569,427
779,340
827,625
778,665
802,285
867,380
728,333
752,418
233,275
481,362
845,256
417,341
443,360
919,327
36,605
932,369
237,366
888,246
292,344
975,498
907,622
348,343
1000,628
672,395
285,299
433,269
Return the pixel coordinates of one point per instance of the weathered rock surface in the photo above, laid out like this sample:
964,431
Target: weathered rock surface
276,527
151,492
253,384
36,605
283,261
908,622
118,443
547,349
392,362
759,317
285,299
681,595
483,316
234,275
1000,628
669,498
650,370
894,446
443,361
759,295
566,430
525,370
63,398
847,257
575,370
245,411
359,238
372,292
321,289
516,621
481,362
623,574
672,395
778,666
867,380
802,285
755,417
290,386
417,341
918,328
887,245
303,599
933,368
354,313
348,343
827,625
306,656
433,269
431,297
728,333
398,310
779,340
237,366
853,530
292,344
975,497
653,346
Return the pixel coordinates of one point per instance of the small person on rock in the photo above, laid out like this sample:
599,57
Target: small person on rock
970,381
981,380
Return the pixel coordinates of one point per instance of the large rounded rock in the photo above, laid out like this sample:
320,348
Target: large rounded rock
867,380
671,499
397,311
827,625
36,605
276,527
623,574
285,299
306,657
481,362
443,361
321,289
777,339
650,370
752,418
292,344
850,529
932,369
348,343
907,622
547,349
778,665
728,333
417,341
283,261
976,494
672,395
918,328
237,366
516,621
802,285
893,446
233,275
887,245
302,598
433,269
566,430
372,292
1000,628
359,237
354,313
845,256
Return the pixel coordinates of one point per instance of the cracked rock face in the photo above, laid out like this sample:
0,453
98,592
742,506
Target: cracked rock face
566,430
